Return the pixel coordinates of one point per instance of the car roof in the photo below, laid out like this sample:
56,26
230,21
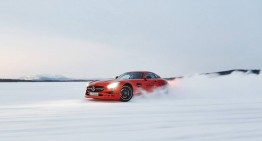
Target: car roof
144,72
140,71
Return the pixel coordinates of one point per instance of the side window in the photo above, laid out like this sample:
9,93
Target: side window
136,75
150,76
156,75
131,75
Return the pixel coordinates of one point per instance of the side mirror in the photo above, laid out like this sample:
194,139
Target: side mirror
116,77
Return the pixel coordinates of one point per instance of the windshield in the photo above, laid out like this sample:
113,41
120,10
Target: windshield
131,75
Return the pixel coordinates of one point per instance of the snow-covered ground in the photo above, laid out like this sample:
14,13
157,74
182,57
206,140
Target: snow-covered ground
198,108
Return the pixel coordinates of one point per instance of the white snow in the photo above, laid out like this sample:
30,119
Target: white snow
198,108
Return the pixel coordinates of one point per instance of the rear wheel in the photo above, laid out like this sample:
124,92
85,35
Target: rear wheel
126,93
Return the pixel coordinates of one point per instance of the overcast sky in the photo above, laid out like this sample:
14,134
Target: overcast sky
103,38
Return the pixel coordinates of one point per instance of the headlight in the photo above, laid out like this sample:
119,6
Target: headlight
113,85
87,84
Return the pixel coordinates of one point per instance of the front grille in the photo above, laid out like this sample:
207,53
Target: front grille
95,88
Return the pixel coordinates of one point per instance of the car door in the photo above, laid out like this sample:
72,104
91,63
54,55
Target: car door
149,82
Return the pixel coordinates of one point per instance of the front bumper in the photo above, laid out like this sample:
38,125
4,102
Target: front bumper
107,95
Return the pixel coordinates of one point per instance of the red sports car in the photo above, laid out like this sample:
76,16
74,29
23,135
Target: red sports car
125,86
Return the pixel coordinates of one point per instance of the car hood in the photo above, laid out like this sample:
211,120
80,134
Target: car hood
103,82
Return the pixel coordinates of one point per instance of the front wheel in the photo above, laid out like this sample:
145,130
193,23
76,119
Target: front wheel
126,93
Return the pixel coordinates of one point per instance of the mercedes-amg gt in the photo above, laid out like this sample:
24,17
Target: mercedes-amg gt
125,86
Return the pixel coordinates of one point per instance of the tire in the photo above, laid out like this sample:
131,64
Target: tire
126,93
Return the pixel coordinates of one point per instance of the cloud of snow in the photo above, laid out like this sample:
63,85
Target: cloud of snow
237,86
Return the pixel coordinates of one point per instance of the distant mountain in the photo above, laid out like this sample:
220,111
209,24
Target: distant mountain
228,72
235,70
46,77
21,80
